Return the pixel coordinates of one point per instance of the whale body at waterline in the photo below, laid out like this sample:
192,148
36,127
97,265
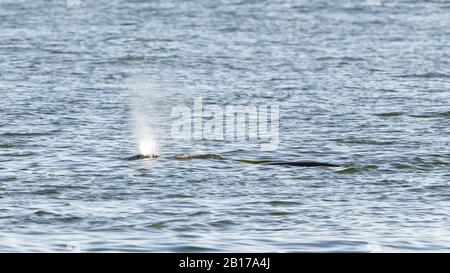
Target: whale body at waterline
141,157
259,162
301,164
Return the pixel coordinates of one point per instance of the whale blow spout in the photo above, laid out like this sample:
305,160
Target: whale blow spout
142,157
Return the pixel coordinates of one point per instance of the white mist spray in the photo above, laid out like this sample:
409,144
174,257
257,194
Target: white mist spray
144,137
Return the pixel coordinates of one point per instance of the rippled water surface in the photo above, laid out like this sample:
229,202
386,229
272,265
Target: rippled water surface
360,85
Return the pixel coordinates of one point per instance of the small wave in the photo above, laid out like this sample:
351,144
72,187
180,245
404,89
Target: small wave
427,75
349,170
8,179
389,114
199,213
402,166
229,29
17,154
192,248
158,225
280,213
55,216
46,192
26,134
5,145
366,142
130,58
302,8
283,203
62,52
43,213
342,59
352,170
179,196
431,114
221,223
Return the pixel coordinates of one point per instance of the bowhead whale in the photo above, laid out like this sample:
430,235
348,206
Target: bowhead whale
261,162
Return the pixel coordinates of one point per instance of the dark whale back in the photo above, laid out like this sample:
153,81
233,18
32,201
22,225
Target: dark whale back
288,163
303,164
261,162
141,157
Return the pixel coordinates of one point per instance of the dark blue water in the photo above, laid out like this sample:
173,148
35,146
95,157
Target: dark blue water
361,85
